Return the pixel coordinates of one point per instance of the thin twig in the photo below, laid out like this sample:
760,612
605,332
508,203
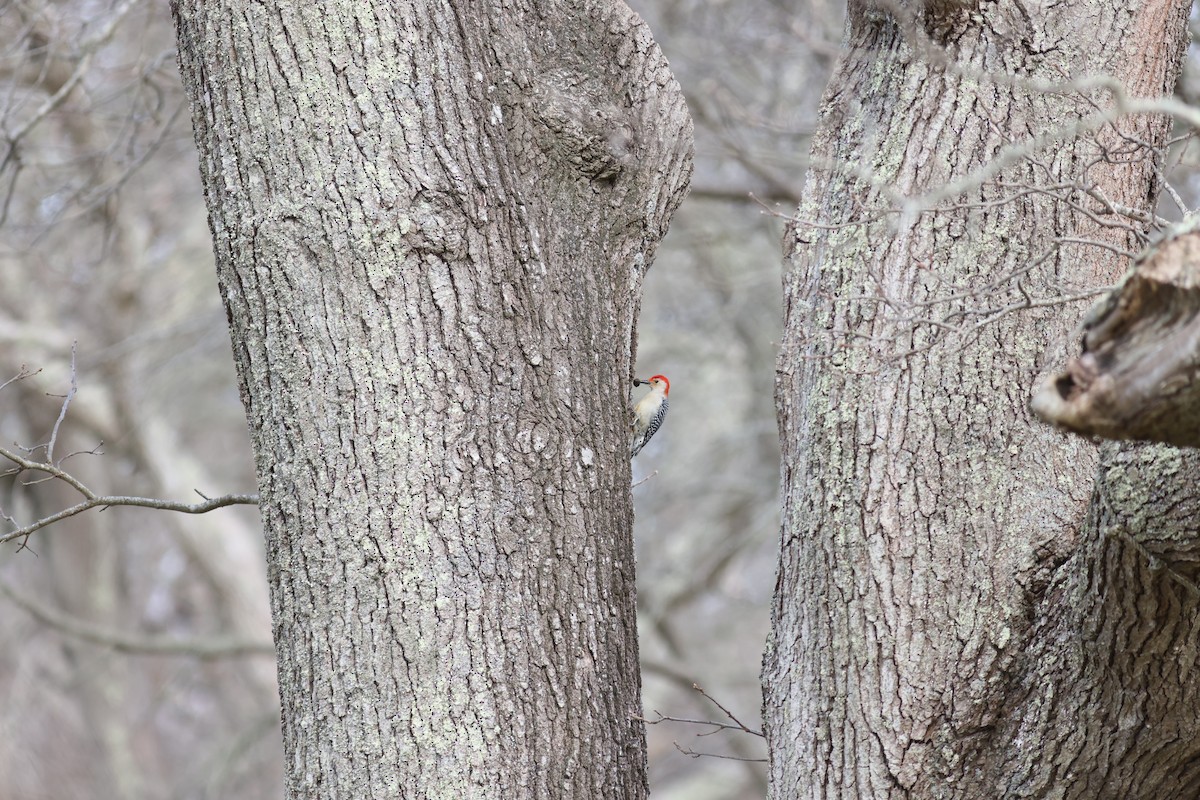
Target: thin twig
717,726
695,754
21,375
62,411
89,49
726,711
643,480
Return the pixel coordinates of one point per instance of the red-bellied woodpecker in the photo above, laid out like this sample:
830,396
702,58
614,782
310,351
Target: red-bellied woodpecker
650,411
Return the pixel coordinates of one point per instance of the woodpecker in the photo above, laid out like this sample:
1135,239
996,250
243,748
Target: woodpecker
650,411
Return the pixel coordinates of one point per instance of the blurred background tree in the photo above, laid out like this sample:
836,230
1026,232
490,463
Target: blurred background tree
103,242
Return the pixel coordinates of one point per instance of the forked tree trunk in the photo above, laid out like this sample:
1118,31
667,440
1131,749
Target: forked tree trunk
431,224
954,617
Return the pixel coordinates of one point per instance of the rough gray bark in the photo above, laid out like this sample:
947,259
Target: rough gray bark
431,223
916,651
1104,699
1137,374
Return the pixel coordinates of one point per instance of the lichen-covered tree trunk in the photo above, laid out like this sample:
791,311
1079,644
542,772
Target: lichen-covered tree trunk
431,223
958,613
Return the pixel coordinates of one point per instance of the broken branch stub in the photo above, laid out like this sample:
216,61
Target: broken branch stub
1138,376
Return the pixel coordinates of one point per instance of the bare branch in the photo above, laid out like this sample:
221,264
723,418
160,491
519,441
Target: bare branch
725,710
716,726
21,375
89,50
696,754
205,649
93,500
62,411
737,725
643,480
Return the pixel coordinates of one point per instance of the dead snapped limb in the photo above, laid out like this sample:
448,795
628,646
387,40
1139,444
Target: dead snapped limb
1138,375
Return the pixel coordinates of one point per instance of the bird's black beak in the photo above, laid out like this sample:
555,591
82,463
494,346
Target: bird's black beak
639,381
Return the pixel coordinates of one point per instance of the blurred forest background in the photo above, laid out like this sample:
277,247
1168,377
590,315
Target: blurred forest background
104,243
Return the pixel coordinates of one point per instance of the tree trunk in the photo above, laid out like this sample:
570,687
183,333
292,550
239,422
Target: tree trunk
431,224
951,620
